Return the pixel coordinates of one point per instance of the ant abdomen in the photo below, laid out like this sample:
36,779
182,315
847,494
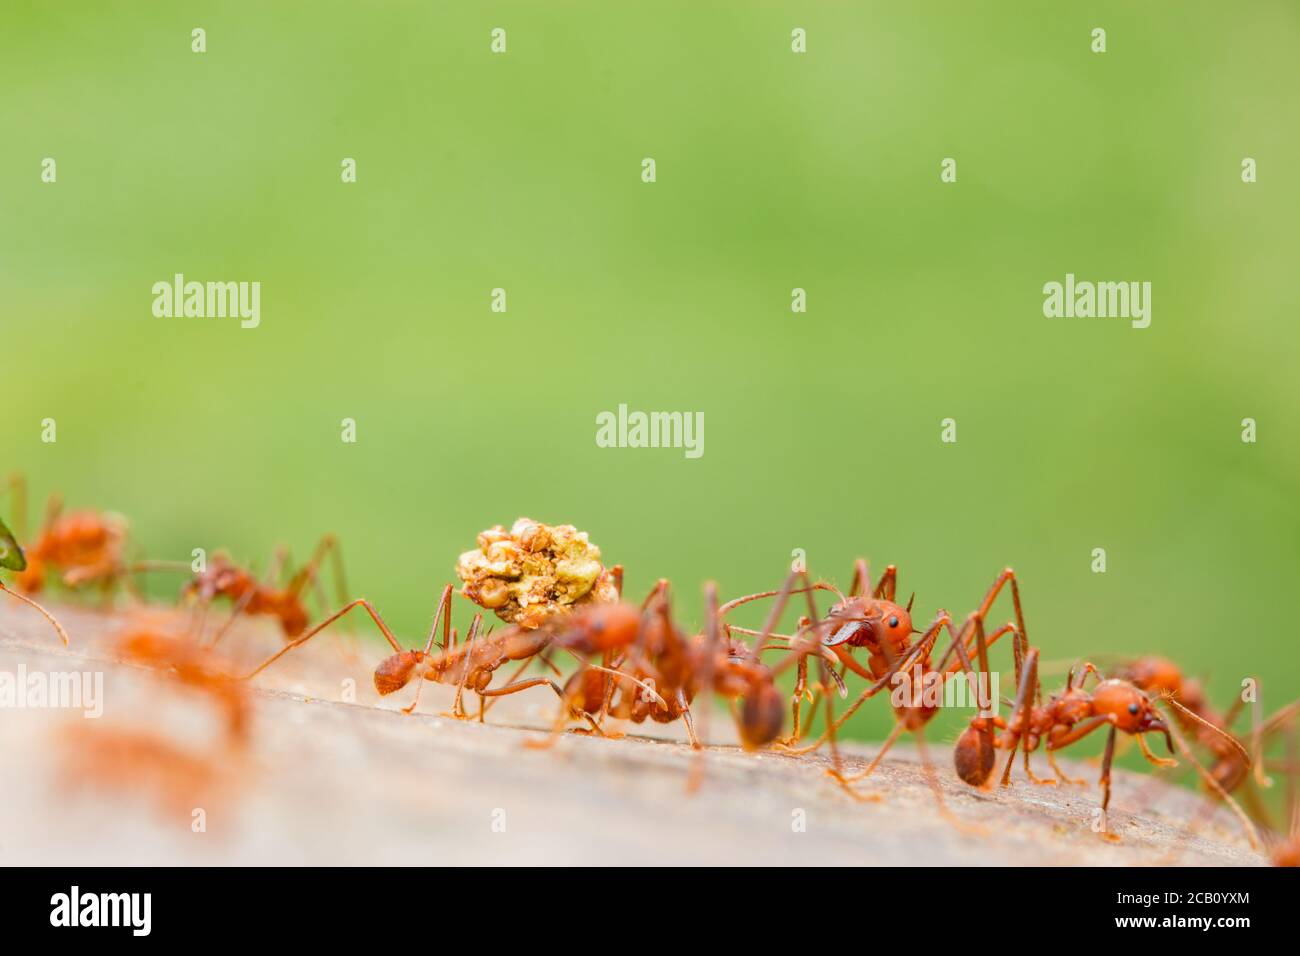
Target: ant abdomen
761,716
394,673
974,756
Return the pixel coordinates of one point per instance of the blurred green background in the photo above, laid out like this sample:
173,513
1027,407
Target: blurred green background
775,170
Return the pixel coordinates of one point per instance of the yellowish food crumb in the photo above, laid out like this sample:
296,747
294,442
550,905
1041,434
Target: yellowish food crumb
534,571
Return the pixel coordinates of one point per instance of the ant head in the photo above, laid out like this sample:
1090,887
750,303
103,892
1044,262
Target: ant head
870,621
395,672
1127,707
11,555
895,621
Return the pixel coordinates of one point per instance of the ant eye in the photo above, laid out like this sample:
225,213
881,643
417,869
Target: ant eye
893,621
1133,709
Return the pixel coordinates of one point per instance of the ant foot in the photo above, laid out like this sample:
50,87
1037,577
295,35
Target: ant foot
592,732
789,746
846,785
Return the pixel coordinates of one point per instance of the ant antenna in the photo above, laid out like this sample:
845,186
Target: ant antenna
1169,698
1208,777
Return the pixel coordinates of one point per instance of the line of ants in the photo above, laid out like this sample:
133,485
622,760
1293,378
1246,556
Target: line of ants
635,663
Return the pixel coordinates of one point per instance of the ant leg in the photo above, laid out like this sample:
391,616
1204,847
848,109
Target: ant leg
711,647
661,589
800,690
1033,777
326,547
53,509
1060,774
689,721
837,766
359,602
887,586
932,780
1022,707
861,583
566,708
545,659
523,666
238,609
1106,760
419,686
899,727
18,503
1007,576
458,711
443,614
63,635
199,618
837,722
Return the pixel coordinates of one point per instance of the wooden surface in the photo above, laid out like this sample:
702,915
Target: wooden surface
324,781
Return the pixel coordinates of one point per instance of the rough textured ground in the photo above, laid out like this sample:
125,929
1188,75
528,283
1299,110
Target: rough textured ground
326,781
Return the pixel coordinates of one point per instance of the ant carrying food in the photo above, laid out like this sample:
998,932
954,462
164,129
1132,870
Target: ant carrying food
468,666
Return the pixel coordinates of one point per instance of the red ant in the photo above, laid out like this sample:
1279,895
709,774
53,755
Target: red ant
222,578
1286,847
135,758
470,665
1067,718
13,559
649,646
870,618
83,546
645,644
1161,676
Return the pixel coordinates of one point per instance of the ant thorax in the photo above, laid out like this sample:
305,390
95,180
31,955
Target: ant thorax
1071,706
